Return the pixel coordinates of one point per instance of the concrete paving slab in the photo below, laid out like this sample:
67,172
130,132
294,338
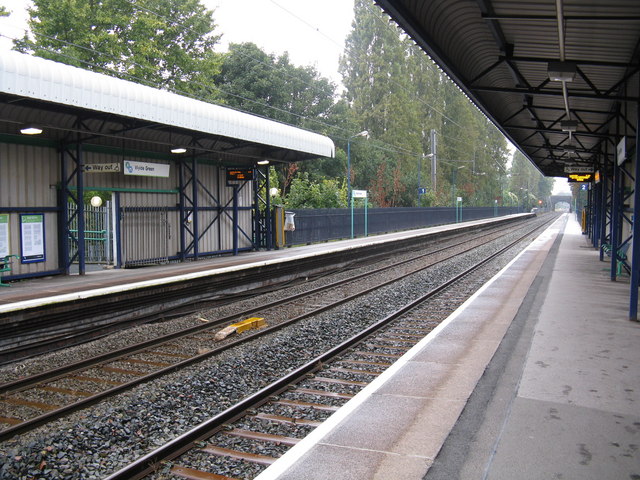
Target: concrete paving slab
548,440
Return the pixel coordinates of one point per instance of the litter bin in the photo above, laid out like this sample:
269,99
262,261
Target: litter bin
289,222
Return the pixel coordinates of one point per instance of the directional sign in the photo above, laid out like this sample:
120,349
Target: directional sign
581,169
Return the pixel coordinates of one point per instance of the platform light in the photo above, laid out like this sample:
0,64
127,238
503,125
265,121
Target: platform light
561,71
96,201
569,125
178,150
31,130
263,162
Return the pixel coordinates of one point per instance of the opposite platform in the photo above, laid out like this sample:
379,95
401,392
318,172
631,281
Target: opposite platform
483,397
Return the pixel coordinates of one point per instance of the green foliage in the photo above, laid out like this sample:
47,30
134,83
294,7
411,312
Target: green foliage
527,184
166,43
306,193
4,12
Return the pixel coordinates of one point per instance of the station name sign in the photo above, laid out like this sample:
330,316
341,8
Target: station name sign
239,174
145,169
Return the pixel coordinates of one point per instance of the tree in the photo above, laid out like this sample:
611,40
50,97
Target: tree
4,12
167,43
273,87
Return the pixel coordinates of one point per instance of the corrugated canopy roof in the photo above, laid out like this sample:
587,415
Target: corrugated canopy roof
107,110
498,52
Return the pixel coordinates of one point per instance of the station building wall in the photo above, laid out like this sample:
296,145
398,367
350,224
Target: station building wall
30,177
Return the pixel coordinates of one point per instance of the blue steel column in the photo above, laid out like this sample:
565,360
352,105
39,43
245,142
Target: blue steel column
63,236
235,219
635,260
616,198
604,180
117,229
267,213
80,207
194,201
181,210
597,205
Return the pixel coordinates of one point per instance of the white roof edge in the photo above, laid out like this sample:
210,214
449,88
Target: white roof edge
42,79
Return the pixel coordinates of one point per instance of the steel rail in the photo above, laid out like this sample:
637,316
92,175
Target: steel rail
55,374
152,462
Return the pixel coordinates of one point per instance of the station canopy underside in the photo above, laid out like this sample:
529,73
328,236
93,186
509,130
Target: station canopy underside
503,54
74,106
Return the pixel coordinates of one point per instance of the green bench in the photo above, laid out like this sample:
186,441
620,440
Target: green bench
5,266
621,257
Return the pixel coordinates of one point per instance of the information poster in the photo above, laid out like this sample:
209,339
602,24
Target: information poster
4,235
32,238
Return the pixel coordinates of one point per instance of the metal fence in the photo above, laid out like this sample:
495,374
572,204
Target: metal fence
98,232
319,225
145,234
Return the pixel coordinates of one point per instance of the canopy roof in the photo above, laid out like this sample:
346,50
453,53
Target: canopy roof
501,54
83,106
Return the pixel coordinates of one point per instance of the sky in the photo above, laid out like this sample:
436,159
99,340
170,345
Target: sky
311,31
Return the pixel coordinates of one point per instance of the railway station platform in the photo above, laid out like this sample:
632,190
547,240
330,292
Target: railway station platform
101,282
536,376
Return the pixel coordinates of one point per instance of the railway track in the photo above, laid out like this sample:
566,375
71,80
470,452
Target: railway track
242,440
35,400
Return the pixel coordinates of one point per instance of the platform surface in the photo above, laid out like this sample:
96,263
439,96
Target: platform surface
537,377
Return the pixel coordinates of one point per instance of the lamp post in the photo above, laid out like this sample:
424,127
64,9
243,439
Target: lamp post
429,155
363,133
453,183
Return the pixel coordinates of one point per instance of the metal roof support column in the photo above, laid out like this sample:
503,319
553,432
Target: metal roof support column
182,213
194,201
80,206
268,220
597,215
604,180
635,246
616,217
261,216
63,224
235,219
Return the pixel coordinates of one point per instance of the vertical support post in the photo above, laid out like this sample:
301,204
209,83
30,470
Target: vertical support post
117,229
635,245
80,206
434,164
349,200
366,220
63,228
351,203
267,213
194,201
604,180
182,212
615,217
235,219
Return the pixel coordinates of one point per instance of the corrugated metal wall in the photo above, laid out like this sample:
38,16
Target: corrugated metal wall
28,179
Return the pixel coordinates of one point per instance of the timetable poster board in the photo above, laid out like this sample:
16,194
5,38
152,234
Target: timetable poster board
4,235
32,237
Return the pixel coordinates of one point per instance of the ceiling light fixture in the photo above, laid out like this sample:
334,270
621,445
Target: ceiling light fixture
569,125
263,162
561,71
31,130
178,150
